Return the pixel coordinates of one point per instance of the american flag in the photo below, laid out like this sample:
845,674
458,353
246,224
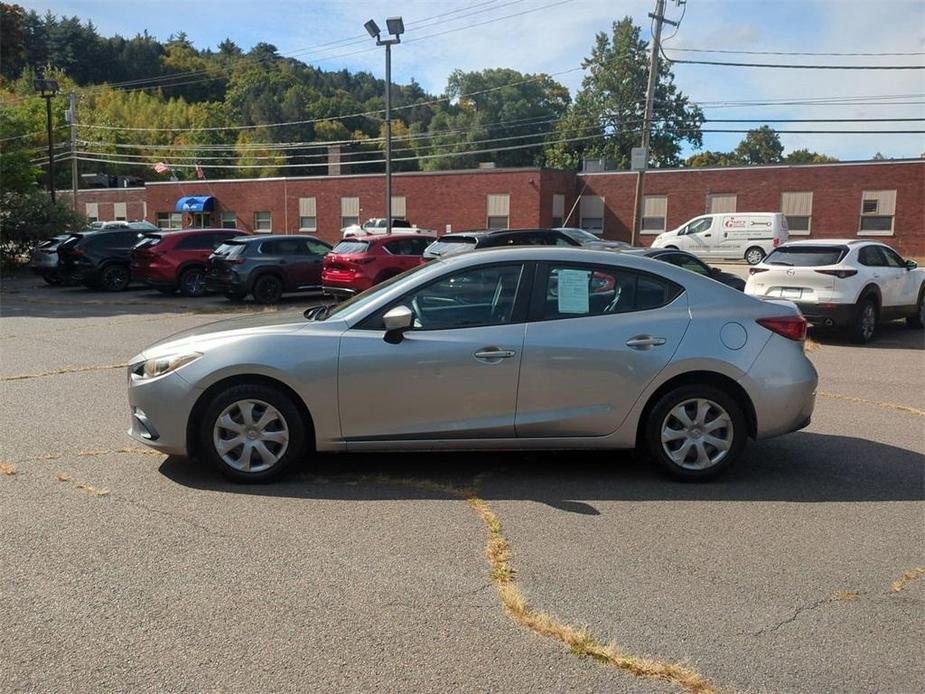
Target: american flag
200,174
161,167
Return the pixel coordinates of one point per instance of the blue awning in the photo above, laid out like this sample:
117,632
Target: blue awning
195,203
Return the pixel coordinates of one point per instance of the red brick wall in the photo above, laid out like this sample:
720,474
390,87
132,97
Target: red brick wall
134,199
432,200
836,190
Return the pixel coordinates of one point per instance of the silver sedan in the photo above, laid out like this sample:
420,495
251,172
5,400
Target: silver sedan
520,348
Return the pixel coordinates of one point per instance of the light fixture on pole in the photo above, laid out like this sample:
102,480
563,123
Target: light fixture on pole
47,89
396,28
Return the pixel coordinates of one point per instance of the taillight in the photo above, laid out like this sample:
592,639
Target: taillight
756,270
775,242
791,327
840,274
363,260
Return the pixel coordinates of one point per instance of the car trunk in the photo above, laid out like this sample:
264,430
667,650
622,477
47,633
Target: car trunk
800,272
224,258
347,259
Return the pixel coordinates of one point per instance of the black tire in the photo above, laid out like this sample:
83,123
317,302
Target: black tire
268,289
274,397
193,282
754,255
671,248
660,417
52,278
917,319
864,327
115,278
234,296
166,290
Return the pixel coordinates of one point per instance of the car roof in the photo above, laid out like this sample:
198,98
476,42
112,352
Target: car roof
255,238
480,233
828,242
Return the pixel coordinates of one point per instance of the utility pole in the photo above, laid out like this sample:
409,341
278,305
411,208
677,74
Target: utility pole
659,18
47,89
72,119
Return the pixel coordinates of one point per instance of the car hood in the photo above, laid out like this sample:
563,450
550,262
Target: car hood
202,337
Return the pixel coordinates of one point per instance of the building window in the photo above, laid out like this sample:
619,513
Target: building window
591,214
200,220
498,211
93,211
877,210
398,207
558,209
798,209
263,221
349,212
229,220
654,214
168,220
718,203
308,220
119,213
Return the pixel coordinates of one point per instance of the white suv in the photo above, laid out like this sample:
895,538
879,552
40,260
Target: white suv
848,284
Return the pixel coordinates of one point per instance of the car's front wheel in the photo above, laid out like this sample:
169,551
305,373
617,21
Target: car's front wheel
251,432
115,278
694,432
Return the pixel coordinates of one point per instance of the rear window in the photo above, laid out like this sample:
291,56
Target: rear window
450,244
345,247
149,240
807,256
229,249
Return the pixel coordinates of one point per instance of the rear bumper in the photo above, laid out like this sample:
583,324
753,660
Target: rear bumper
841,315
782,386
353,285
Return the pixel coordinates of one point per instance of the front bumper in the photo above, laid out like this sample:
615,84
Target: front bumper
160,409
840,315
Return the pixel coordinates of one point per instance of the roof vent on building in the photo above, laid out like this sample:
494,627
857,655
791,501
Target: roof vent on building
598,165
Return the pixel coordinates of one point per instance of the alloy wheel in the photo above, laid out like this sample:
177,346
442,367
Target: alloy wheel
868,320
250,435
194,282
115,278
754,256
697,434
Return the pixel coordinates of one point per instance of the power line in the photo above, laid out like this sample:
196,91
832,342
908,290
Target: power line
732,52
794,67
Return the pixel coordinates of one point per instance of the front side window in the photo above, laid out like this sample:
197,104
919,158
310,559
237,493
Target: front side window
465,299
891,258
581,291
698,226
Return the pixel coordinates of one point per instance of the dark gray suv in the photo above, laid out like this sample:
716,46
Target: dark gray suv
266,266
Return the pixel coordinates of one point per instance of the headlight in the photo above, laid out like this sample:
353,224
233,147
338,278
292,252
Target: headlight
152,368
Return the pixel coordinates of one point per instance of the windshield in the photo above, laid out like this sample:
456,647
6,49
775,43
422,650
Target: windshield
363,298
580,235
807,256
345,247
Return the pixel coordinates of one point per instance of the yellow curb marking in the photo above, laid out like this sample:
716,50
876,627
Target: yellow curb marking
910,575
877,403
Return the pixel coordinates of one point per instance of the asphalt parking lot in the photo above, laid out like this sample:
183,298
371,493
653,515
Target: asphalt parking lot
123,569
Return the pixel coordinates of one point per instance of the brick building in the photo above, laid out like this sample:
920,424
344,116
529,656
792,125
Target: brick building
884,199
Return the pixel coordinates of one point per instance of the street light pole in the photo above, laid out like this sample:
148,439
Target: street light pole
47,90
396,28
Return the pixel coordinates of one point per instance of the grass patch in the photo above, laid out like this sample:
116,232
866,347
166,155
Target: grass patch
910,575
83,486
845,595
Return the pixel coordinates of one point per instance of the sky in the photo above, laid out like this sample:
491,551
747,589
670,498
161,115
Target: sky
553,36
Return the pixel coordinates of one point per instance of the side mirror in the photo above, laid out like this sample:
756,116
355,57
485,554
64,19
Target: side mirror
715,271
911,265
397,321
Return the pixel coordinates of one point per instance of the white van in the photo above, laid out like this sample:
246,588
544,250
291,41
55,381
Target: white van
749,235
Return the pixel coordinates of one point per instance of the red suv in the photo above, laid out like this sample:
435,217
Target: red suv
171,260
358,263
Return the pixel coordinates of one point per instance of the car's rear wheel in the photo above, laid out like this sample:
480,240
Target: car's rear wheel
115,278
865,321
694,432
754,255
917,319
251,432
193,282
268,289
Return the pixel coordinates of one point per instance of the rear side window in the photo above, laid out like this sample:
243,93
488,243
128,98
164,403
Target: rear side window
571,291
345,247
807,256
197,242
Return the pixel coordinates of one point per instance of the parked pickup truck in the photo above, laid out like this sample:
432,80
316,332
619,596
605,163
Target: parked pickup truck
377,225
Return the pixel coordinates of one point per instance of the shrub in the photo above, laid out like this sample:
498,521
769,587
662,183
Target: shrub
27,219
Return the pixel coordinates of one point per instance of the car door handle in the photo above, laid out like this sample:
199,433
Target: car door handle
645,342
705,235
494,353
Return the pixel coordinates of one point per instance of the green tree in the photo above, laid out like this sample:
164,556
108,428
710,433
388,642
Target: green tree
607,116
710,158
760,146
805,156
28,218
12,40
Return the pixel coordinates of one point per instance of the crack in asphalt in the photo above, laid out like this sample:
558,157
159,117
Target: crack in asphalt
66,370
